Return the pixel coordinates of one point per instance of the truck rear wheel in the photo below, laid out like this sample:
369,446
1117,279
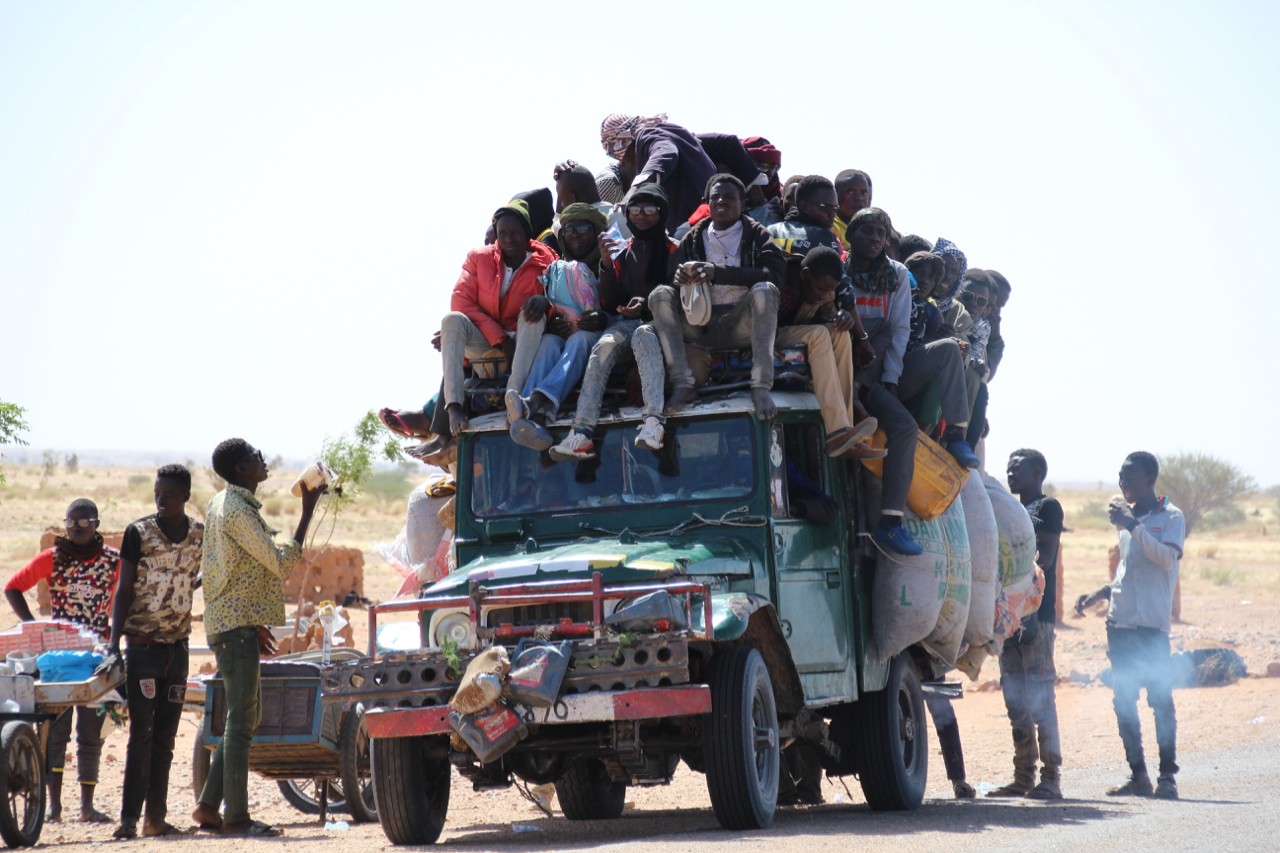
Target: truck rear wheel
740,740
586,792
892,740
411,788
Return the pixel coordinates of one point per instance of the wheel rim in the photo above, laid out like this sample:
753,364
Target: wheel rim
22,772
362,769
907,725
764,735
309,790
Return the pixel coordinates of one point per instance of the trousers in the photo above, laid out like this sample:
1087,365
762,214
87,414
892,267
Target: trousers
753,322
831,364
1027,680
461,340
1140,658
236,652
156,684
626,337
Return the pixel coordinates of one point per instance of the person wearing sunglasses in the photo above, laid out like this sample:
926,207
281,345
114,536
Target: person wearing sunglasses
573,302
243,570
81,572
628,275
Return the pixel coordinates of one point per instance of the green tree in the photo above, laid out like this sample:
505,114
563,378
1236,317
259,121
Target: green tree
13,423
1200,485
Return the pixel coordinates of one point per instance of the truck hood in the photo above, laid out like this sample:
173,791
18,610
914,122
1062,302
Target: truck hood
617,562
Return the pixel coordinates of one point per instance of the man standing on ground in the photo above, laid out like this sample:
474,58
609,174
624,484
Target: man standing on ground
1027,671
243,571
1151,535
159,562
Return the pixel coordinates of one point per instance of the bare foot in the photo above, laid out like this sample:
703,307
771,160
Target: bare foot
680,397
763,402
92,815
154,829
207,817
457,420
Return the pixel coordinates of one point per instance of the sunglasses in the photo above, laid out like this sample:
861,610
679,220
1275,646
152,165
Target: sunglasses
972,298
577,228
643,209
82,523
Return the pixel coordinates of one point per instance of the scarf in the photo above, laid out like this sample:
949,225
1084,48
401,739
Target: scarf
946,247
581,212
798,216
656,272
68,551
618,131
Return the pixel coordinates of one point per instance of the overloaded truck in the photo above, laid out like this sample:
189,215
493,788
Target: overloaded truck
678,608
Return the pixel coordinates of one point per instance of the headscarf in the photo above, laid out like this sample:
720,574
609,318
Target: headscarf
582,212
618,131
762,151
881,277
656,272
946,247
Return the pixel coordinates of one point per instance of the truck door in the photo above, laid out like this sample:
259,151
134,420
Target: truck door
813,587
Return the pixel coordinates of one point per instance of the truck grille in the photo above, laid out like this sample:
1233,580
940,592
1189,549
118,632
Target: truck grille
539,614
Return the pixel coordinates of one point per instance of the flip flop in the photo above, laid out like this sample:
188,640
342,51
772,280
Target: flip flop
166,828
251,829
531,434
862,450
399,427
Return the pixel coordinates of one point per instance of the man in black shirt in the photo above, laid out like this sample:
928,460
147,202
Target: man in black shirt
1027,673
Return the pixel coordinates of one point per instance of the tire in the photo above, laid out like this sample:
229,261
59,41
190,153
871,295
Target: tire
893,740
586,792
411,782
201,758
22,794
304,795
740,741
353,765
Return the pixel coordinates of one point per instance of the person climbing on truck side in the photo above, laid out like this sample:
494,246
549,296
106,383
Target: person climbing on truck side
159,563
1027,671
744,267
81,572
1151,531
881,294
807,314
656,151
573,301
628,275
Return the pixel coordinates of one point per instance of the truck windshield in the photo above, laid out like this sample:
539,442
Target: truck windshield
701,460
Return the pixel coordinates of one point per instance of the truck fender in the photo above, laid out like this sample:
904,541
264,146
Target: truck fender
751,620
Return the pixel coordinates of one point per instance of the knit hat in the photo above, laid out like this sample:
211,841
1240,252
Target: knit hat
762,151
520,209
580,211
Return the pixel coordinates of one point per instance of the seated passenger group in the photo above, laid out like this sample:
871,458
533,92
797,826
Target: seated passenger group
707,251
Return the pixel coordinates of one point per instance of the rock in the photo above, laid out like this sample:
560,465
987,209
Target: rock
1273,669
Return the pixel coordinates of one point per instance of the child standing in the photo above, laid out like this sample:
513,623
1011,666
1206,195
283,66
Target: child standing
81,571
159,561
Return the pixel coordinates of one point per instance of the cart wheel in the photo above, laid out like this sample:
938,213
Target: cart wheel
353,762
201,758
304,794
21,785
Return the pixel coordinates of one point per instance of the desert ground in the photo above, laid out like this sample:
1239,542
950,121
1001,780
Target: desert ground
1230,593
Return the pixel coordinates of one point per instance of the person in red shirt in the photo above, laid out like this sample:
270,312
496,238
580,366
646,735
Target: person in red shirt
81,571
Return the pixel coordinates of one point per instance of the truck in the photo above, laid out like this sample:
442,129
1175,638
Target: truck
710,622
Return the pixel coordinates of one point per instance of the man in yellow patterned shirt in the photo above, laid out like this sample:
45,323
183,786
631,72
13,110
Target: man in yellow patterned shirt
243,571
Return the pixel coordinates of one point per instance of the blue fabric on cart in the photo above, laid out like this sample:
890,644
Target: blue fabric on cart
68,665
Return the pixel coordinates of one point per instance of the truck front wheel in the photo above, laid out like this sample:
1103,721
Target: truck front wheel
892,741
586,792
740,740
411,779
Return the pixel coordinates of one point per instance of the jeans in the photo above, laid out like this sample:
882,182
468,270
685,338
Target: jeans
753,322
623,337
156,681
460,340
558,365
1140,658
236,652
1027,679
901,430
89,741
944,720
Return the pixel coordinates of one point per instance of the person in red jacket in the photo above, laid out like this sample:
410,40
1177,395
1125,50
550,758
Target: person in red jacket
489,307
81,570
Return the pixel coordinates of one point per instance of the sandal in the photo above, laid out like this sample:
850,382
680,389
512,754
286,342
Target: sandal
391,419
251,828
151,830
862,450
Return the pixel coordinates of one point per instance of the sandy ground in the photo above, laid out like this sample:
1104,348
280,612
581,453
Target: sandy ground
1231,593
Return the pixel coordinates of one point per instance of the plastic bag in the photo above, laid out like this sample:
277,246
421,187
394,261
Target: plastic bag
68,666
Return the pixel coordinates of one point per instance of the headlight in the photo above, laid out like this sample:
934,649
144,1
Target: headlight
456,627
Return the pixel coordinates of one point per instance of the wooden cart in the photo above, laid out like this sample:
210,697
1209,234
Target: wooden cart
27,707
314,746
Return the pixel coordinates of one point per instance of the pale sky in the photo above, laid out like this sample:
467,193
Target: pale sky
245,218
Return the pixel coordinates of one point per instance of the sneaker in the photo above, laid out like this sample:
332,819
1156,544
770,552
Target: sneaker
650,435
575,446
515,405
1139,785
963,790
896,538
531,434
1166,788
963,453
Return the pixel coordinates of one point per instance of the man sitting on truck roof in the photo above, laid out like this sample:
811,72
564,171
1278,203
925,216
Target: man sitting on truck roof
744,268
881,293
